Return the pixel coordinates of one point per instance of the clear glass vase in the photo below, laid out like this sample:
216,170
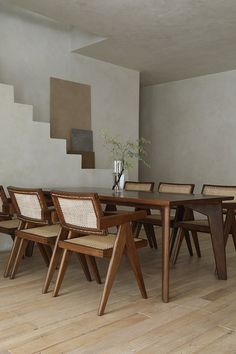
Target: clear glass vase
118,175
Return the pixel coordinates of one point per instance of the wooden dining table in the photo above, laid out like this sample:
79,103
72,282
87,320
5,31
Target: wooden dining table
210,206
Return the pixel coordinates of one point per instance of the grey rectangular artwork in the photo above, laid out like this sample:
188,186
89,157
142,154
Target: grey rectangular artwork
81,140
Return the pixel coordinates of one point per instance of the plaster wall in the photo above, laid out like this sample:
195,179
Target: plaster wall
191,125
34,48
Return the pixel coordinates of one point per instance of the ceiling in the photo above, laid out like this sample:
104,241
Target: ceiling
165,40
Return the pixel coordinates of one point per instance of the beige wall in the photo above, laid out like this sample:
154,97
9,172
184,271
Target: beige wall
33,49
191,125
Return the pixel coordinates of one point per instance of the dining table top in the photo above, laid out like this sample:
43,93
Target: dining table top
154,199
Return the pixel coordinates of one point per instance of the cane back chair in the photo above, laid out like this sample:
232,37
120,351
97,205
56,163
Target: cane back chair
156,219
4,205
202,225
8,225
139,186
81,213
35,225
134,186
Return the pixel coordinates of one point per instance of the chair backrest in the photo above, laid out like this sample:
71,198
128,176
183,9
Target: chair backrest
139,186
214,189
29,204
182,188
80,212
4,205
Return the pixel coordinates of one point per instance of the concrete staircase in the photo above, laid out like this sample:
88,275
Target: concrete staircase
29,157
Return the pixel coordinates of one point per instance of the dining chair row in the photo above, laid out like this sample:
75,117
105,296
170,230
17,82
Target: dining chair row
193,226
82,228
188,228
153,220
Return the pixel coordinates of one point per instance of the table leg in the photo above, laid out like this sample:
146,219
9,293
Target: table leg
217,237
165,252
215,218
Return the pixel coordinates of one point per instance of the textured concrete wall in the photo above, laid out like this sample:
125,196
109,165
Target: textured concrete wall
30,158
192,125
33,49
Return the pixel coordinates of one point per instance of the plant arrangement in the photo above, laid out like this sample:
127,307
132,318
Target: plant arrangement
124,153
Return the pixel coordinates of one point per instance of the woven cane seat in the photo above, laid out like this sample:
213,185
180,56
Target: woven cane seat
44,231
98,242
9,224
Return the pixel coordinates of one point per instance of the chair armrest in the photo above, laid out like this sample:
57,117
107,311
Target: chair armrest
115,220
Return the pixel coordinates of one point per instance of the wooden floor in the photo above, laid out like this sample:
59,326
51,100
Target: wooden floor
200,318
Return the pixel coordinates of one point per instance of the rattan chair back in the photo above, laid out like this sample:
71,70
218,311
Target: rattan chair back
29,204
80,212
213,189
4,207
182,188
139,186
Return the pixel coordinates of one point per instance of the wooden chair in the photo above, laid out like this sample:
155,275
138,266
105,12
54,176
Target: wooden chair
4,205
139,186
132,186
156,219
201,225
8,225
82,214
35,225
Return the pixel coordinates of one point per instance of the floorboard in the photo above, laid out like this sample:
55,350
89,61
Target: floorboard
200,317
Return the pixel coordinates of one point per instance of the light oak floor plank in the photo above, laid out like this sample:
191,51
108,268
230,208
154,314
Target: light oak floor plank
200,317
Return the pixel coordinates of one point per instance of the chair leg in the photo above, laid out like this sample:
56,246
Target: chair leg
136,228
55,259
231,228
57,252
173,237
48,251
29,249
188,242
44,254
196,243
63,266
84,265
149,230
113,266
94,268
19,257
228,224
233,232
134,262
12,257
179,240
